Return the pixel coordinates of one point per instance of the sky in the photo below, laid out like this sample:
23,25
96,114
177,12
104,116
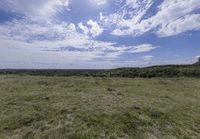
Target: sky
98,34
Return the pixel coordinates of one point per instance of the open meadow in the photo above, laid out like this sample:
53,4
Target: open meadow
40,107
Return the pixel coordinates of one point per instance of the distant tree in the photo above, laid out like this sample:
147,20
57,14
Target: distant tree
198,63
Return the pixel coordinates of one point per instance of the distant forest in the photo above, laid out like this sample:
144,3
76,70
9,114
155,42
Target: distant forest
148,72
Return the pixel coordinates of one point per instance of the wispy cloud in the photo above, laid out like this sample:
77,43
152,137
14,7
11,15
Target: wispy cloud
142,48
36,8
173,17
99,2
148,58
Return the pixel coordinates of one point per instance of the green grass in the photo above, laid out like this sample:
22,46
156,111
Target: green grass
111,108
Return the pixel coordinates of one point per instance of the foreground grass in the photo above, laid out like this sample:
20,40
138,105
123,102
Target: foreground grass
84,108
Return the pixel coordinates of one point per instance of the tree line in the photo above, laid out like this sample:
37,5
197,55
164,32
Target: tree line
148,72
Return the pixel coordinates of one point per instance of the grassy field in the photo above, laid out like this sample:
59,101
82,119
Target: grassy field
99,108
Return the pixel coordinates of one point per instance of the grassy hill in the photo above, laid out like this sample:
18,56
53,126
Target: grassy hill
111,104
38,107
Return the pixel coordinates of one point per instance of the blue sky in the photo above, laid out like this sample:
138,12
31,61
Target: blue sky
84,34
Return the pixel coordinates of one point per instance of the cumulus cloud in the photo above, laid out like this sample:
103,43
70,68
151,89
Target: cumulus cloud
91,28
95,29
83,28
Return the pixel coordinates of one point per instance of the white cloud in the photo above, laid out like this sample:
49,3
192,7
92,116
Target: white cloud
36,8
101,2
28,41
101,16
186,23
142,48
95,29
34,39
197,57
173,17
72,27
98,2
83,28
60,43
92,28
148,58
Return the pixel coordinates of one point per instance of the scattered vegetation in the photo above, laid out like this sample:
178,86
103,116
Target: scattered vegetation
98,107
